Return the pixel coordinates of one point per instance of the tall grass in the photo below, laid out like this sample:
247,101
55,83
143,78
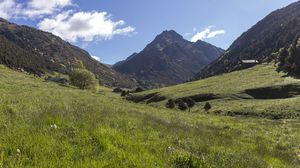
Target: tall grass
46,125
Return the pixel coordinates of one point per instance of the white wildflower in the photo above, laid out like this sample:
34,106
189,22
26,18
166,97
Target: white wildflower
54,126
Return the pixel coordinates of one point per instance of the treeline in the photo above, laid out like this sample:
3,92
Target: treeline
289,58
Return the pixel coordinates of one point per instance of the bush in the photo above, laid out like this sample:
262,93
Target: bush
125,93
83,79
190,103
207,106
182,105
170,104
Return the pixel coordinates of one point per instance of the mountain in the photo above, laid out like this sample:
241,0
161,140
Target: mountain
275,31
39,52
169,59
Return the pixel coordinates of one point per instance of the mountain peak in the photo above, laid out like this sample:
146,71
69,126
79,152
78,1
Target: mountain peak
170,34
168,60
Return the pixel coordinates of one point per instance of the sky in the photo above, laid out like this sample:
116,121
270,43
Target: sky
111,30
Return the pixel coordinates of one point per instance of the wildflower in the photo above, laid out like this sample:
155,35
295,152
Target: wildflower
18,151
54,126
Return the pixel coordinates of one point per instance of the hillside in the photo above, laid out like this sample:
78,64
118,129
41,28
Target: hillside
275,31
39,52
259,91
46,125
169,59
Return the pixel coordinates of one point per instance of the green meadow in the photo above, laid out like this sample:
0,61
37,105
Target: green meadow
232,98
43,124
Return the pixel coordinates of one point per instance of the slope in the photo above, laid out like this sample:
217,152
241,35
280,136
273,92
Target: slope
169,59
46,125
39,52
259,91
275,31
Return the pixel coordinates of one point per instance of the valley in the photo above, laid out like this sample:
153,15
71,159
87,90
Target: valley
102,129
178,101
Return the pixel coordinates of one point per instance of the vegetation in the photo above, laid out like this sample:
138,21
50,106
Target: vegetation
39,52
275,31
82,78
170,104
207,106
289,58
43,124
190,103
248,92
182,105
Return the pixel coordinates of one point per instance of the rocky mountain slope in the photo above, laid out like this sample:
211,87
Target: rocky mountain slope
168,60
275,31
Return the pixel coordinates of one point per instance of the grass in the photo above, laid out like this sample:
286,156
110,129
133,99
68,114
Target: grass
103,130
232,99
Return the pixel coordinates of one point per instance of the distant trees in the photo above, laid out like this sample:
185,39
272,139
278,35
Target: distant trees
185,103
82,78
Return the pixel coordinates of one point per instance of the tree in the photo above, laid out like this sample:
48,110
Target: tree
190,103
182,105
170,104
207,106
83,79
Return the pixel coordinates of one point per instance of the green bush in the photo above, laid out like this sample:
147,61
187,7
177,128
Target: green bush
83,79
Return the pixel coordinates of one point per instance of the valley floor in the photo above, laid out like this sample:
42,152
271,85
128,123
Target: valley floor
46,125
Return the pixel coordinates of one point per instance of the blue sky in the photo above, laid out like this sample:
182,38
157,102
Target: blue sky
114,29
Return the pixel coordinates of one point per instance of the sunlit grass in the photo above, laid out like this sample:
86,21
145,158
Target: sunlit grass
103,130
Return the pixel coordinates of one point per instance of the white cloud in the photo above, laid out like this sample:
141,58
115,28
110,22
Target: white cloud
206,34
38,8
9,8
62,18
31,8
96,58
84,26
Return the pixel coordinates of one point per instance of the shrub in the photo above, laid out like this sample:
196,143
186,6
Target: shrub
83,79
207,106
182,105
124,93
138,89
183,159
190,103
170,104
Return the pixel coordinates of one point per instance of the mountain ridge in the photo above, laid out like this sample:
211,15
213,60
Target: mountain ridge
277,30
40,52
169,59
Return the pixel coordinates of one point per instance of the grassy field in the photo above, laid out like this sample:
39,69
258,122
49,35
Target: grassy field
232,97
46,125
